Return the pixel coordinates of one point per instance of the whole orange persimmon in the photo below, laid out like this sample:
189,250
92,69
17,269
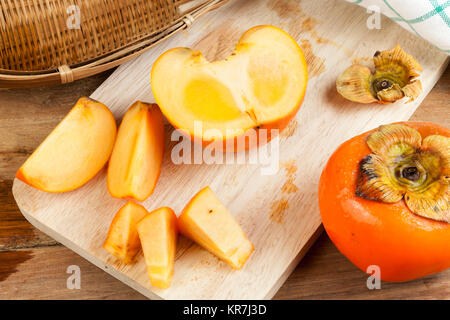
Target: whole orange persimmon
384,200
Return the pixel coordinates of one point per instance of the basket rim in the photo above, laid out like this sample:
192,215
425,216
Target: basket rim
66,73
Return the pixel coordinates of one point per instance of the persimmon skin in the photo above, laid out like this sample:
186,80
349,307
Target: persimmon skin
404,245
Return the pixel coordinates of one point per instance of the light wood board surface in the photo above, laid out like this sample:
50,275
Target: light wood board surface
282,224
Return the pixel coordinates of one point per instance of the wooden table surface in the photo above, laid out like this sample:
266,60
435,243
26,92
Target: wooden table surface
33,266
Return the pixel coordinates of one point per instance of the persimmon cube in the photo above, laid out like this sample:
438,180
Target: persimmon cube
208,222
123,239
158,233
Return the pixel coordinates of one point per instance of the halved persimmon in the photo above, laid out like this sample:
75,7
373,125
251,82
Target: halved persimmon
136,159
260,86
384,198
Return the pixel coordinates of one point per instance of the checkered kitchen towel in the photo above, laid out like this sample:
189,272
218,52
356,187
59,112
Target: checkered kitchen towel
429,19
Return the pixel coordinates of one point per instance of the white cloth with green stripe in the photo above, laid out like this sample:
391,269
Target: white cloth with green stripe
429,19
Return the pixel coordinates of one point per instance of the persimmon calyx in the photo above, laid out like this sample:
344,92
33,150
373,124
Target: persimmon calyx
403,166
393,78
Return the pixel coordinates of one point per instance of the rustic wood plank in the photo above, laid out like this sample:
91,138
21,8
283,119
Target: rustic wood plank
40,273
80,219
26,117
324,273
15,231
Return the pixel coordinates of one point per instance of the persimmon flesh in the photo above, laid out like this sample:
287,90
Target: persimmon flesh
208,222
158,233
135,163
74,152
123,239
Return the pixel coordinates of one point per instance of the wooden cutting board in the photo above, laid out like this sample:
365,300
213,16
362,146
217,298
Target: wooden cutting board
278,212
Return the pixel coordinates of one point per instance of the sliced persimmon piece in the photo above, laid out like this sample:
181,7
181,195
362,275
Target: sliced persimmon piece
74,152
208,222
123,239
158,233
135,162
261,85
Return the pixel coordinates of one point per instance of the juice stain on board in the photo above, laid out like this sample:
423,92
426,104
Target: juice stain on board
297,24
219,43
316,65
279,207
291,170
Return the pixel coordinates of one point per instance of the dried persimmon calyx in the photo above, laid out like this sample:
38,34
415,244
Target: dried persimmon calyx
403,166
393,79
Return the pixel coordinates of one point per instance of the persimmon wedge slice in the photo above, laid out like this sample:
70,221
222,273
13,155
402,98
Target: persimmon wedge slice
135,162
261,85
123,239
158,233
74,152
208,222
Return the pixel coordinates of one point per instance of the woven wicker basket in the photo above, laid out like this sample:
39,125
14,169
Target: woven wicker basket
58,41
